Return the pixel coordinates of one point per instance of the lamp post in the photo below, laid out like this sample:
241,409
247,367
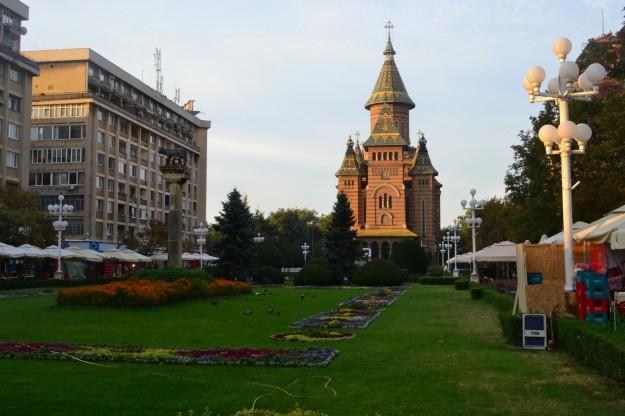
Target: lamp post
258,239
473,222
305,248
311,224
201,233
568,86
60,226
442,248
455,239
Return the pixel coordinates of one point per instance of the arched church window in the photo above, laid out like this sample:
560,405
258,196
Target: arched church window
390,201
373,155
396,156
380,201
385,201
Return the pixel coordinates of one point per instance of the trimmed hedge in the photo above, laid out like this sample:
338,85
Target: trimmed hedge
409,255
268,274
437,280
594,345
435,271
172,274
511,325
16,284
378,272
461,284
313,275
477,293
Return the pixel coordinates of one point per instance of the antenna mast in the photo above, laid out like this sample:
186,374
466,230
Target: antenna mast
159,70
602,21
177,96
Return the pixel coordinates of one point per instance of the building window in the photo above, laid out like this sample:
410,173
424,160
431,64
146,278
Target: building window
60,111
99,182
109,207
112,142
15,104
16,75
78,201
99,205
111,185
380,202
57,155
14,131
423,227
100,137
13,160
59,132
100,115
109,230
100,159
143,174
133,171
122,167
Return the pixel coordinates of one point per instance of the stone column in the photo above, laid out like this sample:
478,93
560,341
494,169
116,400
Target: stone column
175,177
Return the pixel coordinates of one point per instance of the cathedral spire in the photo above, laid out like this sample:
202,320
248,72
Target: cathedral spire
389,86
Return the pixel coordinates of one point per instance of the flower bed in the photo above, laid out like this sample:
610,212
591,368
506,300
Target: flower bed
357,312
148,293
312,336
291,357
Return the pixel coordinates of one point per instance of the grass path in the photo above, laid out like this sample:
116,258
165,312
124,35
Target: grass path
434,352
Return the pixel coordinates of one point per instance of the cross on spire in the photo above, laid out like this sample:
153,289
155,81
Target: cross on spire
357,134
389,26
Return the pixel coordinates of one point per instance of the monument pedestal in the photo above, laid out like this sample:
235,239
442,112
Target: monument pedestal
175,177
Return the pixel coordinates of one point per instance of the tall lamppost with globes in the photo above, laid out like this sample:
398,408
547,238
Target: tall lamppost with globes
442,249
455,239
305,250
201,232
568,86
60,226
473,222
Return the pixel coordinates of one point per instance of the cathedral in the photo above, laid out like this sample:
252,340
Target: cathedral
391,184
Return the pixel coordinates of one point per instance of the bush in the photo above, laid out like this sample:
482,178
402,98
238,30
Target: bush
268,274
435,271
477,293
267,254
313,275
148,293
461,284
378,272
594,345
409,255
437,280
168,273
320,261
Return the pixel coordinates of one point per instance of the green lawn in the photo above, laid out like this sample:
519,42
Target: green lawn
434,352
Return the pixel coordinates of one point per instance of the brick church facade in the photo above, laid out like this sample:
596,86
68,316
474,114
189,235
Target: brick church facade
391,185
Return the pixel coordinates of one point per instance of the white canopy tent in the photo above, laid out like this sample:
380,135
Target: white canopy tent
559,238
186,257
7,250
29,250
603,230
53,253
136,257
502,252
87,254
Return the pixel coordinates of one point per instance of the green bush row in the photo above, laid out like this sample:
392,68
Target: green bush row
511,325
594,345
268,275
461,284
168,273
378,272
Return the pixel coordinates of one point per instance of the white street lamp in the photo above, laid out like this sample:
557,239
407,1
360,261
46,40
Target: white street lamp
442,248
455,239
259,238
60,226
473,222
305,248
201,233
562,90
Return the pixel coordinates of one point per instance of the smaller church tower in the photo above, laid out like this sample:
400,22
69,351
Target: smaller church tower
350,177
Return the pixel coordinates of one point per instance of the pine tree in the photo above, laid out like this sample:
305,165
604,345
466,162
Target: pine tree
234,249
342,248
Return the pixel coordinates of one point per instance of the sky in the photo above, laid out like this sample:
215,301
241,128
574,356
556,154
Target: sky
284,82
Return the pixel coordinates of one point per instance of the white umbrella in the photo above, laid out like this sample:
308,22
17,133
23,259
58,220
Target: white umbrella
119,255
559,238
600,231
89,255
137,257
53,252
196,256
7,250
29,250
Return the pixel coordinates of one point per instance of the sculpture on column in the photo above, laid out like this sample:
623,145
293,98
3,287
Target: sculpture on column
176,174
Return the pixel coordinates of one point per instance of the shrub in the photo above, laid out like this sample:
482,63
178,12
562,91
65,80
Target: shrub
511,325
477,293
435,271
461,284
409,255
168,273
147,293
378,272
594,345
268,274
437,280
320,261
267,254
313,275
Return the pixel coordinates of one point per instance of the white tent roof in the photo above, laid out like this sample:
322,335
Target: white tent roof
53,252
502,252
7,250
185,257
87,254
600,231
137,257
29,250
559,238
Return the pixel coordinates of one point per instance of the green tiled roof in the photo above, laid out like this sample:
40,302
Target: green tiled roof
389,86
423,164
350,165
385,132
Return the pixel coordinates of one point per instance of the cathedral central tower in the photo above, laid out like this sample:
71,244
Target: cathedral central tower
391,185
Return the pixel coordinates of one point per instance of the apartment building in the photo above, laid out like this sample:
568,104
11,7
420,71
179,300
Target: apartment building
16,73
96,131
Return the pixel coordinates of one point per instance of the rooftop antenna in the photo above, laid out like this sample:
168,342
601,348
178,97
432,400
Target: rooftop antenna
602,21
159,70
177,96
